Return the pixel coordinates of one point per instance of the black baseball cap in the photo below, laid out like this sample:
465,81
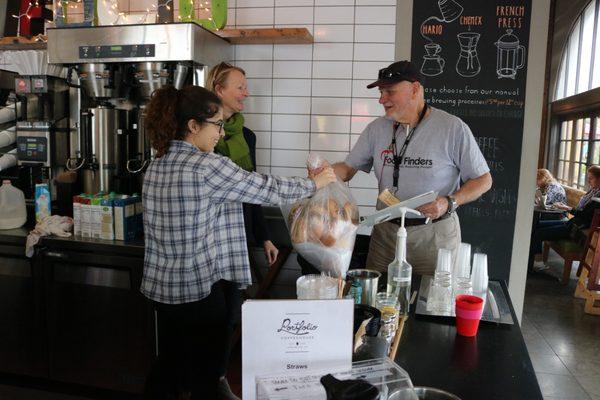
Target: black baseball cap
397,72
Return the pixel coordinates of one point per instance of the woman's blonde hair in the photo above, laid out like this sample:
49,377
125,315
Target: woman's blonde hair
545,176
218,75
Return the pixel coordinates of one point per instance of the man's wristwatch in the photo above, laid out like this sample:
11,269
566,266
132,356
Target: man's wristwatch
452,204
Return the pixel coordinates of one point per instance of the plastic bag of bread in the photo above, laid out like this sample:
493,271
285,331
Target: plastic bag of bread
323,228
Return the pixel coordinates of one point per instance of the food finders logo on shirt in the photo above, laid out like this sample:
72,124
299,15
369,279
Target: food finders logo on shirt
387,156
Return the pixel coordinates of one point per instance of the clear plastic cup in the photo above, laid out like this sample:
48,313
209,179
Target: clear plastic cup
389,307
479,277
444,261
316,287
439,300
462,267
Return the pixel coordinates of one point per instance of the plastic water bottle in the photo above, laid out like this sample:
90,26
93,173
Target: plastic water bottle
399,270
13,213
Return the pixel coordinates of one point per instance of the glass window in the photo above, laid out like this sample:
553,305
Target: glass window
578,136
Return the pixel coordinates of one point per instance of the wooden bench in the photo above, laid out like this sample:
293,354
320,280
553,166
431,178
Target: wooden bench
570,250
588,286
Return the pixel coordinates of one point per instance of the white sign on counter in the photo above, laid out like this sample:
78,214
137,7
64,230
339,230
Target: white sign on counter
291,336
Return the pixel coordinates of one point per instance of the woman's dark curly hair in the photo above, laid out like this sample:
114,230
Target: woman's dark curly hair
170,109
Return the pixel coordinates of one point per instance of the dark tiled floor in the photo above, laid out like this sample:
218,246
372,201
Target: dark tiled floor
563,341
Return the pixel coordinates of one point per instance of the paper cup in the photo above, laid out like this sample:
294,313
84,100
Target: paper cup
468,314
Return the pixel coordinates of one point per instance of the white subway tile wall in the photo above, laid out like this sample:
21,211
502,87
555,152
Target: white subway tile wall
309,97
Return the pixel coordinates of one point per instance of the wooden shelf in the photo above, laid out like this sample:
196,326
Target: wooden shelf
22,43
267,36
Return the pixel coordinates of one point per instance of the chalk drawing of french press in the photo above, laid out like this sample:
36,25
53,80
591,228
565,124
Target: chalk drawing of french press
510,55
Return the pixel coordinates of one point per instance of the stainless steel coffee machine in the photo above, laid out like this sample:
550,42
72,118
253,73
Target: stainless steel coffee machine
116,69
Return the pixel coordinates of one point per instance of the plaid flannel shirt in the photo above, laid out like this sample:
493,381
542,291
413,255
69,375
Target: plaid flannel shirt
194,224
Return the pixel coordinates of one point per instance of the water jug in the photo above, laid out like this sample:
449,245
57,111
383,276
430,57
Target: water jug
13,213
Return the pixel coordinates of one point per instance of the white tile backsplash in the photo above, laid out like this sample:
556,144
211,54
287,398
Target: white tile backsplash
292,52
291,105
260,87
332,52
293,3
374,52
293,15
257,105
291,87
331,88
376,2
256,69
333,33
291,69
368,69
291,123
332,69
375,33
254,16
314,96
334,15
331,106
329,124
258,122
369,107
334,2
251,52
289,158
329,141
291,140
254,3
375,15
359,89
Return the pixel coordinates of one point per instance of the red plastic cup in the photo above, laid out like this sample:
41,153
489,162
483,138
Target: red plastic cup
468,314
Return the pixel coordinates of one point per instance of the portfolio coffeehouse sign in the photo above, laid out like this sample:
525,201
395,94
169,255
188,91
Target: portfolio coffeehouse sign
473,55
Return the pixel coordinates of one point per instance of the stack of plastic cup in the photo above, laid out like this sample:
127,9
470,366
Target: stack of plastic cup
462,266
479,276
439,300
316,287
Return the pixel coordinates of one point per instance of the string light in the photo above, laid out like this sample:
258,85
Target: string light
26,14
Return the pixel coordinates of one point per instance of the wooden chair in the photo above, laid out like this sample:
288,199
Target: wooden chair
569,250
588,286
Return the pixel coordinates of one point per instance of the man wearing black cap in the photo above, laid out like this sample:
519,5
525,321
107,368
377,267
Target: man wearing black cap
413,149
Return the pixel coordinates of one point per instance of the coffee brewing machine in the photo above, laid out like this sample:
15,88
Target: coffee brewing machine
39,104
116,69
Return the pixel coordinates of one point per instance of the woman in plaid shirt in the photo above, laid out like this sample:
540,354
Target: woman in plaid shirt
195,237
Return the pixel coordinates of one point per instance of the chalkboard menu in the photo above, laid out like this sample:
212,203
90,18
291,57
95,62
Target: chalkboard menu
473,55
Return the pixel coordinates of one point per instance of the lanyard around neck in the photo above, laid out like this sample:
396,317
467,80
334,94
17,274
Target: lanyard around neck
399,156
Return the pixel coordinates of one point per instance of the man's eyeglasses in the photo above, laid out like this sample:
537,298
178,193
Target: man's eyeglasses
218,123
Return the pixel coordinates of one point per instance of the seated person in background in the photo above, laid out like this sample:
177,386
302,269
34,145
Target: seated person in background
582,218
549,187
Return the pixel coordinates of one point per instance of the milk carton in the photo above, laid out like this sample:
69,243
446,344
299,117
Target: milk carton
125,217
43,201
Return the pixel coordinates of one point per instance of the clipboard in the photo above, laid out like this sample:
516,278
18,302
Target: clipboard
395,211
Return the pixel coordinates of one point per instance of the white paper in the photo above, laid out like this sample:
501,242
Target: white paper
294,336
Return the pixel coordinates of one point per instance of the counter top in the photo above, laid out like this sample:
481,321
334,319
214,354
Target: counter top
493,365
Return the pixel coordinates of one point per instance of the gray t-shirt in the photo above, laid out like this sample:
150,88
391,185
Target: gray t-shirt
441,153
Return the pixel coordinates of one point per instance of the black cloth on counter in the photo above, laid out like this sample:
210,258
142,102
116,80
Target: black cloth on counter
254,219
